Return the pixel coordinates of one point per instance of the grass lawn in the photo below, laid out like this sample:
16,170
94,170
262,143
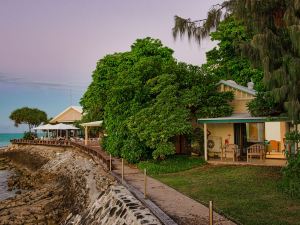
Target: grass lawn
249,194
172,164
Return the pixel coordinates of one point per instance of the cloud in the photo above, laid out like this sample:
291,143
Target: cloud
20,80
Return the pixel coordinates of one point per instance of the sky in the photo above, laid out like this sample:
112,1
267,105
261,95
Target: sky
49,48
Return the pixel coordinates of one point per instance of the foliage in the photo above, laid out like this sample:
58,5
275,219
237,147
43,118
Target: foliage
146,98
291,176
172,164
247,194
291,173
293,137
200,29
264,105
275,45
225,60
197,141
31,116
29,136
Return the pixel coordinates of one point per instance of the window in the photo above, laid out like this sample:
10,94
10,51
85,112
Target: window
255,132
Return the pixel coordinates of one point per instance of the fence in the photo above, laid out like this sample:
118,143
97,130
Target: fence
42,142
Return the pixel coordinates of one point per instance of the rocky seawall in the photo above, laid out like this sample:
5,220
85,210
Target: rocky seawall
65,186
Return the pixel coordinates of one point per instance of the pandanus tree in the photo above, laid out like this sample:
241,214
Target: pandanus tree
274,45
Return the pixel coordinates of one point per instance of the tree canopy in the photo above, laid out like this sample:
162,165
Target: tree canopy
274,46
146,97
225,60
31,116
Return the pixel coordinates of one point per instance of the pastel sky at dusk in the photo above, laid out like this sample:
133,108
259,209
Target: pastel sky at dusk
48,49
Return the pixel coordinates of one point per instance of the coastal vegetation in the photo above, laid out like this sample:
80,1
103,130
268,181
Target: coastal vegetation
146,98
250,195
31,116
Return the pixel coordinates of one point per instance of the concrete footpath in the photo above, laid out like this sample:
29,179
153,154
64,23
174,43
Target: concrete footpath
182,209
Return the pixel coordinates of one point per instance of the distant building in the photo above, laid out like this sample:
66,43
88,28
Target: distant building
69,115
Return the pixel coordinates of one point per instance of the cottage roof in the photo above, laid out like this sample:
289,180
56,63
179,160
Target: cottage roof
233,84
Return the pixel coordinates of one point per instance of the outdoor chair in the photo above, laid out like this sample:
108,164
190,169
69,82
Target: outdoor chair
273,146
256,150
231,151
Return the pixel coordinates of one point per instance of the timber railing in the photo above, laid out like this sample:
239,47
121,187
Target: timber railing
91,150
95,151
60,143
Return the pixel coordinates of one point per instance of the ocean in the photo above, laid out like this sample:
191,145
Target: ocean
5,138
4,173
4,192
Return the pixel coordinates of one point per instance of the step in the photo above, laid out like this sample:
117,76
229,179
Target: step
275,156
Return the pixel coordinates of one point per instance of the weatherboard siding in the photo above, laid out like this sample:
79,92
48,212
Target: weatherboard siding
241,98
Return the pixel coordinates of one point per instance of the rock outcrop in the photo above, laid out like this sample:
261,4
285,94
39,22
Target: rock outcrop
65,186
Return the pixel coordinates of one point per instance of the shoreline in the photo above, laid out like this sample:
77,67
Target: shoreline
65,186
6,173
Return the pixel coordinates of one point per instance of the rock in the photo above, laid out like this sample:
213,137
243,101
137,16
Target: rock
67,187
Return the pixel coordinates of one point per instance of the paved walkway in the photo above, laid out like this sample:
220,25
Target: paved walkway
182,209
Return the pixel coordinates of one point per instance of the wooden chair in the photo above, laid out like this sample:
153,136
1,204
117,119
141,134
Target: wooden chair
231,150
274,146
256,150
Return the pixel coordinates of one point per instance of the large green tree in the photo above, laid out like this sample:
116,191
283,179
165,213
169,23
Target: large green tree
274,46
146,98
31,116
225,60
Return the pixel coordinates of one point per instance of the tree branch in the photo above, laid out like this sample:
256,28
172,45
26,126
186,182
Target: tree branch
200,29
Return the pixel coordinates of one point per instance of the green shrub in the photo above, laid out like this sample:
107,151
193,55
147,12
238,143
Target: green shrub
29,136
291,173
172,164
291,176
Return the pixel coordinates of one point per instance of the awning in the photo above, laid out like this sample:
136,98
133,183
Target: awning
92,124
62,126
44,127
241,118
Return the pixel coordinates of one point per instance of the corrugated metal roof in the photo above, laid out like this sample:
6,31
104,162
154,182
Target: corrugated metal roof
233,84
241,118
92,124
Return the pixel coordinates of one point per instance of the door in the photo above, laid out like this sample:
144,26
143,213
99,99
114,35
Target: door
182,145
240,137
